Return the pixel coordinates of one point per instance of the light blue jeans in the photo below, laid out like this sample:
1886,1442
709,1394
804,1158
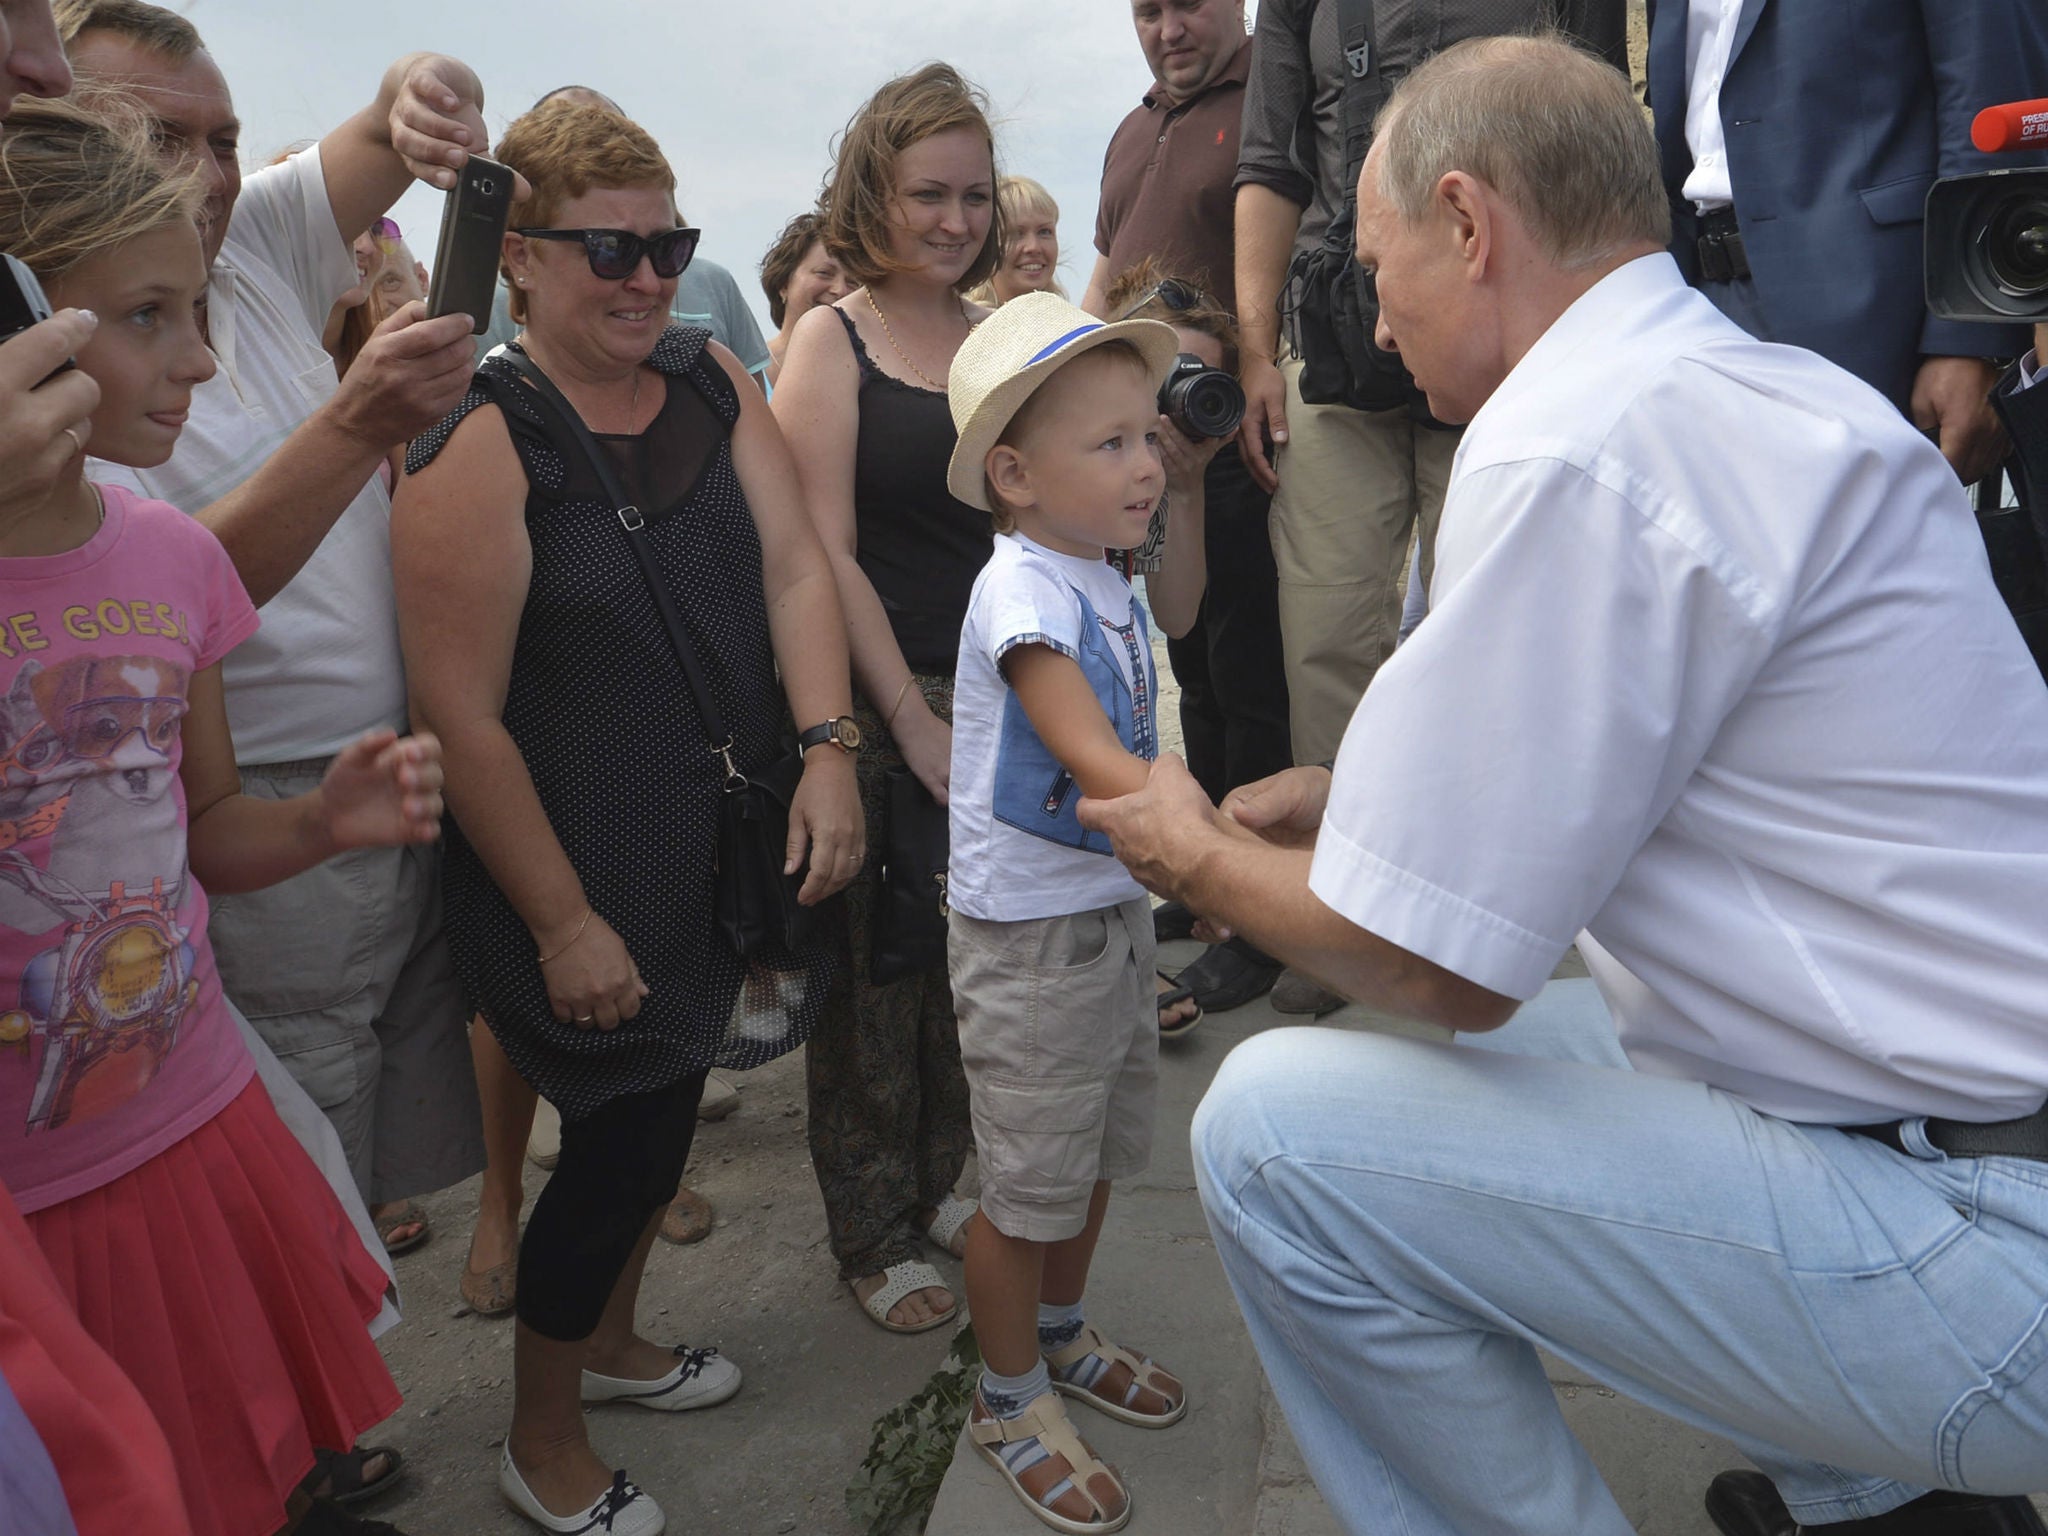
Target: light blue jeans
1405,1222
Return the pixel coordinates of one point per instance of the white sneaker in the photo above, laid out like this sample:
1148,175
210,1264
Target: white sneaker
623,1509
701,1378
721,1098
544,1141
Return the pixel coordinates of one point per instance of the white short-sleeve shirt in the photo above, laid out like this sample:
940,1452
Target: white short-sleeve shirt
1715,672
326,666
1018,850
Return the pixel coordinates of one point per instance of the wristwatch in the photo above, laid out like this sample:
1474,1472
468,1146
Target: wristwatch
840,731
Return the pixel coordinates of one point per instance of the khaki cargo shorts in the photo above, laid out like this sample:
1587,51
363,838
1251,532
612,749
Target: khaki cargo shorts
1059,1033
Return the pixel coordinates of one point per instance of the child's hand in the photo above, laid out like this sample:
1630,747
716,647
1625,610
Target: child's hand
383,791
1185,462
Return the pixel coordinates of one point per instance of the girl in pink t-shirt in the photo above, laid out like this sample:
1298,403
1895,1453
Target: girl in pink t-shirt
200,1246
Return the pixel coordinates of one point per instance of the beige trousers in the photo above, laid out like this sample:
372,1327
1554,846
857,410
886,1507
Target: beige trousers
1355,487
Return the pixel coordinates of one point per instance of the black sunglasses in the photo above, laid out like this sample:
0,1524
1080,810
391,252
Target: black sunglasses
1173,293
615,254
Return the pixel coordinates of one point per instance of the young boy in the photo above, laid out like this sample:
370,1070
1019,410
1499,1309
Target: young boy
1051,939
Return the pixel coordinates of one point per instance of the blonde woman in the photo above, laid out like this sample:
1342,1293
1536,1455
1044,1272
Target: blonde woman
1031,244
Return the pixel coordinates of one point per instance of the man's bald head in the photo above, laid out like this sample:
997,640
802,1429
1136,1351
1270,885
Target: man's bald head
1554,130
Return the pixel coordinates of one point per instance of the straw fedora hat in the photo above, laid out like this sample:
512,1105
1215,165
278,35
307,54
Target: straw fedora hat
1010,354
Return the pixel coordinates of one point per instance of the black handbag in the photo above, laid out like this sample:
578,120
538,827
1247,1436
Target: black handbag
754,901
908,931
1331,304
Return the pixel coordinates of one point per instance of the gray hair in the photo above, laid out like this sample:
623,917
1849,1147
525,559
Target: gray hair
1551,128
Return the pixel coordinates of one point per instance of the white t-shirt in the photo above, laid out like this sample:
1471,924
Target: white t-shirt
326,666
1709,44
1018,850
1715,671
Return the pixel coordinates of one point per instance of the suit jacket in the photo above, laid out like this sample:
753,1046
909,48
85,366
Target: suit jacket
1838,118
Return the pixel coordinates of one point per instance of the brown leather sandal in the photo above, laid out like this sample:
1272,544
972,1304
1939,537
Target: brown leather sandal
1045,1420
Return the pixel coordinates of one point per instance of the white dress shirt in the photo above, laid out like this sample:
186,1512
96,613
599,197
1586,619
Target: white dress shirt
1709,40
1715,672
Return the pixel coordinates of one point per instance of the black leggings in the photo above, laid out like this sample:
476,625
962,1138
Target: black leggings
620,1165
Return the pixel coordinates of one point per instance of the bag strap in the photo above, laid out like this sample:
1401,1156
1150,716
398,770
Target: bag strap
1364,88
720,739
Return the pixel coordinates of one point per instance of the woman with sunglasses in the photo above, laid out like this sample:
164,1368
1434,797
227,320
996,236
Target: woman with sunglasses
583,789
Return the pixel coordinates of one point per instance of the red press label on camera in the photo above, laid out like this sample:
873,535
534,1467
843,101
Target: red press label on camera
2016,125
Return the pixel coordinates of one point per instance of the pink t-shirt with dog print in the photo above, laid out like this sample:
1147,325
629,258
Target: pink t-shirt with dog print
114,1038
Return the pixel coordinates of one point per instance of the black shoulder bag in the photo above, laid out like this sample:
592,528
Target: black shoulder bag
754,901
1330,302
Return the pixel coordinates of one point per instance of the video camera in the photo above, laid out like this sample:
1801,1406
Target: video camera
1987,234
1987,260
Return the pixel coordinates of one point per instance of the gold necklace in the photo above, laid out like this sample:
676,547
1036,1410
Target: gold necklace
929,381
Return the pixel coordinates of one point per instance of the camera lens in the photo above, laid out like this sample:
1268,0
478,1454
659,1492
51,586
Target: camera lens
1202,401
2016,246
485,186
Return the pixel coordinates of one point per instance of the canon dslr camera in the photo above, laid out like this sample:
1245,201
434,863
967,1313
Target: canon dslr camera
1200,400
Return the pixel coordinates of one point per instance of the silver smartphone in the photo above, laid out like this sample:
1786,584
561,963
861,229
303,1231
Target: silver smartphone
465,276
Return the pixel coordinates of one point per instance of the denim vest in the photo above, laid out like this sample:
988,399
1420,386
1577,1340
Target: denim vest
1033,791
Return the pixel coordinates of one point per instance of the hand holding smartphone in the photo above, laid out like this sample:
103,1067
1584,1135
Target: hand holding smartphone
473,220
23,304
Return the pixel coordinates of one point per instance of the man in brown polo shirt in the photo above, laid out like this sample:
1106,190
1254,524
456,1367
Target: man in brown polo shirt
1167,194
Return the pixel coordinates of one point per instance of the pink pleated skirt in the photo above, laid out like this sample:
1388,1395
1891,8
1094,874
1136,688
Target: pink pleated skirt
224,1278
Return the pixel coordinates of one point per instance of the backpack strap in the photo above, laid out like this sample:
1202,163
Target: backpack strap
1365,90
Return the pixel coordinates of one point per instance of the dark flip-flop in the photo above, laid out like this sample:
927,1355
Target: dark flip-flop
408,1213
1173,997
343,1472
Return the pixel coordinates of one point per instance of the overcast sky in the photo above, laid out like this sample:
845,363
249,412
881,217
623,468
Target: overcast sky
745,96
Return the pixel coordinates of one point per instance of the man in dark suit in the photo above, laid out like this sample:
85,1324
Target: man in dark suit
1798,150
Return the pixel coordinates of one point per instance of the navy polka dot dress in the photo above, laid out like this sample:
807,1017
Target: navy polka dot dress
618,755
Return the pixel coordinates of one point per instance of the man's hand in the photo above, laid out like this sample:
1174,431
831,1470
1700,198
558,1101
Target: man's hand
410,374
1951,398
34,445
1265,417
1160,830
437,118
1285,809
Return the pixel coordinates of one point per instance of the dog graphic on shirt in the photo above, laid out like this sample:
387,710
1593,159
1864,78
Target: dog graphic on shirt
85,781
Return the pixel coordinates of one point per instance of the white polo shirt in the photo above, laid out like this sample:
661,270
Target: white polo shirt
325,666
1715,672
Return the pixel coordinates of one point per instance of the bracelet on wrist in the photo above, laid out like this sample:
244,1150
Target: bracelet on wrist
585,923
896,706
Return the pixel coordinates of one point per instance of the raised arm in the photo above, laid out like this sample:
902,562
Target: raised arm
410,375
817,403
462,563
425,120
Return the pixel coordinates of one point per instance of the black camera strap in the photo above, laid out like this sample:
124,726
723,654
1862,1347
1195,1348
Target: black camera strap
635,527
1365,89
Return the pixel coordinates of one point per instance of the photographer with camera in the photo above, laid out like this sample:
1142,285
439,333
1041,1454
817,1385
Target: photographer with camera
1798,152
1716,687
1166,207
1357,468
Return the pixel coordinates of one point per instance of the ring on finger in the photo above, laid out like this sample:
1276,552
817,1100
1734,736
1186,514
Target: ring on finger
584,1018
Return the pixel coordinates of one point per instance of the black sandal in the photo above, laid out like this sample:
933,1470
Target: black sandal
342,1472
1174,995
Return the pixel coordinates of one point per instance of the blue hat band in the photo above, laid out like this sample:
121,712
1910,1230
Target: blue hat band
1053,346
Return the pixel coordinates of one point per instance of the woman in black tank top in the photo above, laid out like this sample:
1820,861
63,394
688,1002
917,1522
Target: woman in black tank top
910,212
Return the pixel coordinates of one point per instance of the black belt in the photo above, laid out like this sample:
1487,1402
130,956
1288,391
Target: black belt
1722,258
2024,1137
